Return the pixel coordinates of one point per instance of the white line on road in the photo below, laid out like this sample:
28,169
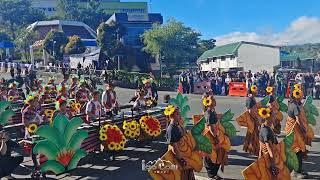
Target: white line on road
201,178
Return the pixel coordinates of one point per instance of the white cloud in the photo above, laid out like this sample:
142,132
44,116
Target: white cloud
300,31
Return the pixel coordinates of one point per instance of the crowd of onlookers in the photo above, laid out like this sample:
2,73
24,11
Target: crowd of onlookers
281,81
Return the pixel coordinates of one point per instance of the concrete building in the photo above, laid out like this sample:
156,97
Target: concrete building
109,6
240,56
135,26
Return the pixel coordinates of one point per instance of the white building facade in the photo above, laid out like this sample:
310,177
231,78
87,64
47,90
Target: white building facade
241,56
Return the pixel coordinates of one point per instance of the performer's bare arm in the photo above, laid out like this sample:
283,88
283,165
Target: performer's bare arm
270,151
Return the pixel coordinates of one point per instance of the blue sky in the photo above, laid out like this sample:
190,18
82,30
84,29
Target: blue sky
224,18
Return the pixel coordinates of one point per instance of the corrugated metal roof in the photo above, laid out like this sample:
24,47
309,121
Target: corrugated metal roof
295,56
228,49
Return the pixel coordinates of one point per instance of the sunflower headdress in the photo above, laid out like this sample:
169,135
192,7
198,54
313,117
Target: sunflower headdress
297,94
297,86
207,101
269,89
170,109
254,88
13,84
264,113
60,101
29,98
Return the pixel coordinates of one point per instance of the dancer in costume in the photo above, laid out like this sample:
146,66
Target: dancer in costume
62,109
151,92
109,100
62,92
212,125
175,132
3,93
82,95
73,87
140,102
297,122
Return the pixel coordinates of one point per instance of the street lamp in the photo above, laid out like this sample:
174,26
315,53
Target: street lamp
53,52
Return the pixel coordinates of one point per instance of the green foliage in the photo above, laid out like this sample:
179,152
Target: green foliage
291,157
4,37
203,142
5,114
24,40
282,106
75,46
205,45
174,43
265,100
17,14
108,38
61,144
182,103
225,121
54,44
310,110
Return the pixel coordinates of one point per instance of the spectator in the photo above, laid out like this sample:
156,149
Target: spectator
317,86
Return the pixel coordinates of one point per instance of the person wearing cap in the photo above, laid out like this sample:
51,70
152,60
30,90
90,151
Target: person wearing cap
296,122
151,90
109,100
8,163
93,108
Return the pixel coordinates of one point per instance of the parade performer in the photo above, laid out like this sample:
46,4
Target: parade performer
93,108
140,101
151,91
3,93
62,109
13,93
46,95
31,120
109,100
82,95
73,87
62,92
299,117
249,119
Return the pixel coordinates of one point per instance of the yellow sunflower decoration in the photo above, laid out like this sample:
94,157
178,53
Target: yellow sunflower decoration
49,113
112,137
207,101
29,98
297,86
254,88
169,110
149,102
131,129
10,98
297,94
32,128
150,125
264,113
269,89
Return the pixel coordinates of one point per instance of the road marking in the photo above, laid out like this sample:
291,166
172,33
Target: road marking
200,178
316,136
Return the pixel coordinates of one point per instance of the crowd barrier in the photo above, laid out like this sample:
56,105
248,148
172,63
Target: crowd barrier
238,89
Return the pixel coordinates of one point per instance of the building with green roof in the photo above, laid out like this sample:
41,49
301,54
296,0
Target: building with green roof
240,56
299,60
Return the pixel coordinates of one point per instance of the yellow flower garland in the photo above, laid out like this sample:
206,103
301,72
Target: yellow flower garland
10,98
269,89
131,129
144,126
297,86
112,146
254,88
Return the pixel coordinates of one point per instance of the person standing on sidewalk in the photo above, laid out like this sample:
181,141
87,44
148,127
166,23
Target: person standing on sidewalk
317,86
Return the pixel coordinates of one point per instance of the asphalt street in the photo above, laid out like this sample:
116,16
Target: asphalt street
127,164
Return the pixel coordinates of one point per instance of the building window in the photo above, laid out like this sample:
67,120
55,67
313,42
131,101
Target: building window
214,59
223,58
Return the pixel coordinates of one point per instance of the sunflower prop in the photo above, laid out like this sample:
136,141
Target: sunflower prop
169,110
29,98
151,126
112,137
131,129
297,94
49,113
207,101
269,89
254,88
32,128
149,102
264,113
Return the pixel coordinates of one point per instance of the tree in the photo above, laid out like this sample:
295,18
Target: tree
75,46
25,39
205,45
109,39
54,44
16,14
4,37
173,43
68,9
